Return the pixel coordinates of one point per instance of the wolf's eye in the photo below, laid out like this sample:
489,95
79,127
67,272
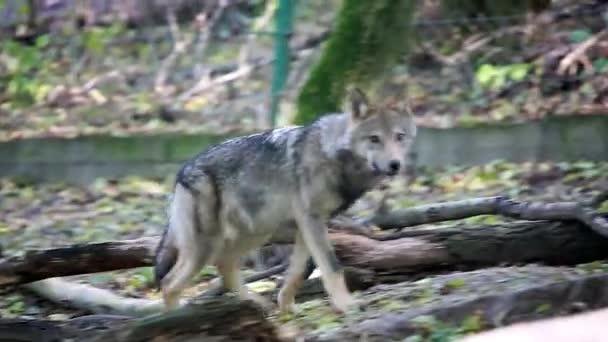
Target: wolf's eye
400,136
374,139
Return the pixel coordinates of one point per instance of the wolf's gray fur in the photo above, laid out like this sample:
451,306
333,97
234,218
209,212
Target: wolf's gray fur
233,196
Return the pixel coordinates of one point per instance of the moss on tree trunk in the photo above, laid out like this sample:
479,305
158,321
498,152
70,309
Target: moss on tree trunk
368,39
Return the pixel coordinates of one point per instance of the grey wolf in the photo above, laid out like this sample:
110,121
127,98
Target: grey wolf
232,197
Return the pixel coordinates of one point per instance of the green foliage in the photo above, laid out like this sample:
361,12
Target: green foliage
95,39
21,61
494,77
13,306
368,39
600,64
578,36
434,330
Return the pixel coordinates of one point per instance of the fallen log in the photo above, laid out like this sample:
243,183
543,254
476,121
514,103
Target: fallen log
485,299
212,319
461,303
77,259
553,243
588,326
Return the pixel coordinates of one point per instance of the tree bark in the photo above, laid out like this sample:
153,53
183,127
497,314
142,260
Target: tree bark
553,243
77,259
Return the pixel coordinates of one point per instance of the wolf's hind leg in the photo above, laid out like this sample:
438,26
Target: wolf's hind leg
229,269
189,262
295,275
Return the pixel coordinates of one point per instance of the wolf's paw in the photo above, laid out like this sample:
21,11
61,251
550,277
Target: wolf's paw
345,303
286,301
286,306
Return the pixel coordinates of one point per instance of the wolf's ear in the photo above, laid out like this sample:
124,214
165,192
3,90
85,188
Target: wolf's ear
359,105
404,108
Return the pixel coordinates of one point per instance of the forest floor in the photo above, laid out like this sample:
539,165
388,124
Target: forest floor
52,215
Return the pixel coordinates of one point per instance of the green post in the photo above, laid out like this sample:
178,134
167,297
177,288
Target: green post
283,25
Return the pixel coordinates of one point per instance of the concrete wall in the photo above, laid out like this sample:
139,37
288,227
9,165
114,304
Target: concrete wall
81,160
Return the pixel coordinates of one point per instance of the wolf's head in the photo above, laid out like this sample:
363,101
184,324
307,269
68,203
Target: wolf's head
381,135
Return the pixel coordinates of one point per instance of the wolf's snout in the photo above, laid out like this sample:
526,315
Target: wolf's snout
394,166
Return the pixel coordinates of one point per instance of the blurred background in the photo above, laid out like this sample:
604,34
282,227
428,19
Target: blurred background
70,67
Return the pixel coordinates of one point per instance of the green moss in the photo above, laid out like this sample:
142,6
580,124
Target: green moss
368,39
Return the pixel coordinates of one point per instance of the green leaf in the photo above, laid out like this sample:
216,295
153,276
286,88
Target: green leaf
600,64
93,41
485,73
578,36
42,41
24,9
456,283
518,71
472,324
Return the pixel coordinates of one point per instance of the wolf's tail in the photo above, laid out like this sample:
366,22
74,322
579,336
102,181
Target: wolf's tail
180,226
166,256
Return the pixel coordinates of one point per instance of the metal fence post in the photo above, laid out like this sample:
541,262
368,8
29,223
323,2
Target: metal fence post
283,26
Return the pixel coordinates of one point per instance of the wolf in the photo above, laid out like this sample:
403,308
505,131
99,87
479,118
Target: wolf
232,197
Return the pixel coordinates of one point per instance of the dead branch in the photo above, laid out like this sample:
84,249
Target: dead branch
568,63
470,46
245,69
89,298
181,44
205,30
179,47
503,206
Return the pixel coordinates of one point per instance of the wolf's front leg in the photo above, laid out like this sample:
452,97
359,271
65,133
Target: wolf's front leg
315,236
295,275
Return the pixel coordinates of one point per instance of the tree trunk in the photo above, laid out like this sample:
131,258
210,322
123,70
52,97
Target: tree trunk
368,39
554,243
